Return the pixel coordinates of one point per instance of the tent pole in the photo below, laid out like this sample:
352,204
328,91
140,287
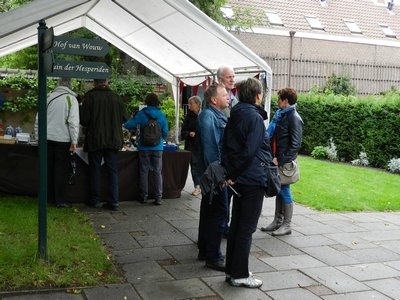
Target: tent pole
177,113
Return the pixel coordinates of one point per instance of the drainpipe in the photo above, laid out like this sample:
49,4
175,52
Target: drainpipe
291,34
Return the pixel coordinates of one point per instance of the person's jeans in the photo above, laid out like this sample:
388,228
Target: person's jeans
195,168
150,160
111,164
285,194
211,226
57,168
246,211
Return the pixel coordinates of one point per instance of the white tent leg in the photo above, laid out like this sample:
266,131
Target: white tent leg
176,98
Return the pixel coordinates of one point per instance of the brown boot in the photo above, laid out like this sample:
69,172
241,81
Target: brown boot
278,218
285,229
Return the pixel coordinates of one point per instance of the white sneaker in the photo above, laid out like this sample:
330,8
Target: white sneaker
228,277
197,191
249,282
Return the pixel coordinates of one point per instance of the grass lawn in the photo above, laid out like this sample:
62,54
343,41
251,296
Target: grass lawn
76,256
326,185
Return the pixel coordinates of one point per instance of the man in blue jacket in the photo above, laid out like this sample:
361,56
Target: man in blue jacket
150,157
213,208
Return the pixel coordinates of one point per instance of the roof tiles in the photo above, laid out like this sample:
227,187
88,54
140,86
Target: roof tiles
365,13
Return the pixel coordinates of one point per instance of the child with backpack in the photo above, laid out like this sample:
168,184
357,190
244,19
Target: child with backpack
153,130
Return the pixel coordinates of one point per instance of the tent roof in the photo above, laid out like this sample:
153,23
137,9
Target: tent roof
171,37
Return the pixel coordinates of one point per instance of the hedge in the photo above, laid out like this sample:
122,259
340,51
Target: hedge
370,124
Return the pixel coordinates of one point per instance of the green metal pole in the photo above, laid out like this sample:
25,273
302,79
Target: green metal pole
42,115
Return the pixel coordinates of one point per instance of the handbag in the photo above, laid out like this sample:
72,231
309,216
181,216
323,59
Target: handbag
289,173
273,181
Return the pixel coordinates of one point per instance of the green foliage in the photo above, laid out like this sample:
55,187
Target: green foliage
368,124
21,91
168,108
132,90
243,18
6,5
25,90
25,59
339,85
319,152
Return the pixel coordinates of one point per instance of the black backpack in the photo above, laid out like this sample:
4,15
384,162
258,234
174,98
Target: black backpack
151,132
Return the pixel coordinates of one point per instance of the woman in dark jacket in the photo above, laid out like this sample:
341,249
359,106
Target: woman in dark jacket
189,133
246,149
286,130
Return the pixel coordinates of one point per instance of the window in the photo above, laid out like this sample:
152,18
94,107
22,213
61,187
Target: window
227,12
390,5
387,31
353,27
273,18
314,23
380,2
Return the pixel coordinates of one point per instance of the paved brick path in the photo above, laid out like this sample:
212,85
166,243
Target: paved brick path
329,256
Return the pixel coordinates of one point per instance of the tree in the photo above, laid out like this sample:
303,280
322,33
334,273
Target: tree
6,5
24,59
242,18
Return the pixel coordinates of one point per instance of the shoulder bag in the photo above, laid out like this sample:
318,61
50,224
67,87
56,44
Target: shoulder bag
289,173
273,181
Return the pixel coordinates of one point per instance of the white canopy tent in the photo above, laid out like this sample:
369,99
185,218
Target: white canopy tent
172,38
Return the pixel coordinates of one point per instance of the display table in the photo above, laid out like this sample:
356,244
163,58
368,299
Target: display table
19,174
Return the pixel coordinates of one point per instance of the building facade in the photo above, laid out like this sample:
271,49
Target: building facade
306,41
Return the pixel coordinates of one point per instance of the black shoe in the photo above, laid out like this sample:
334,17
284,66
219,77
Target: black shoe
218,265
110,207
64,205
157,202
143,200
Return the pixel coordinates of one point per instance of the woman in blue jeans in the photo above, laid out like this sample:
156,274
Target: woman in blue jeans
286,130
150,157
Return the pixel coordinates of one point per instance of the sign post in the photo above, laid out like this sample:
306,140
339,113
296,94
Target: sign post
47,44
45,37
80,46
80,69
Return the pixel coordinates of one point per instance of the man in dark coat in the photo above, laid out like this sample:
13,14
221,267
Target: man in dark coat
190,133
102,114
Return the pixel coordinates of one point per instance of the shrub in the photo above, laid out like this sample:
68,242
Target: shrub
25,91
394,166
368,124
168,108
319,152
331,150
362,160
132,90
322,152
21,92
339,85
